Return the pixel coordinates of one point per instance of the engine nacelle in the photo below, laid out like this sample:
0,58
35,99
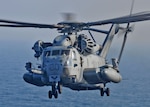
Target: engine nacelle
65,40
110,74
39,46
87,46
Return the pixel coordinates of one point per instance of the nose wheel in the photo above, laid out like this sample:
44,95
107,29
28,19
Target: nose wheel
51,93
55,90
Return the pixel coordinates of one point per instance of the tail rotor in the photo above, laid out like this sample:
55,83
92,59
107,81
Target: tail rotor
127,29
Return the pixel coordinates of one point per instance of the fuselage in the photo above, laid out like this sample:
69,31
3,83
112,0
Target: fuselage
68,64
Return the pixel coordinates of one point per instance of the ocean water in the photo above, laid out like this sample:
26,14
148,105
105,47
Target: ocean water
133,91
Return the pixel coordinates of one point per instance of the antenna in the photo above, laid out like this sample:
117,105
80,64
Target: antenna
125,35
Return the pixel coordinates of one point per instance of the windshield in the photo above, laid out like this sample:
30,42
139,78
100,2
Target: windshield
56,53
65,52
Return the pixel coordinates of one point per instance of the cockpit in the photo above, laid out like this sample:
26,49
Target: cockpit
64,55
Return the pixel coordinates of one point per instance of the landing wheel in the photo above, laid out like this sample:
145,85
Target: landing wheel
102,91
50,94
107,91
56,94
59,87
55,90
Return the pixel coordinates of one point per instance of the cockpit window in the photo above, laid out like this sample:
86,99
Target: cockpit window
55,52
65,52
47,53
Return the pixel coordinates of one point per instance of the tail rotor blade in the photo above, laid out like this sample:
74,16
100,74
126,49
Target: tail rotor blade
123,30
128,29
123,44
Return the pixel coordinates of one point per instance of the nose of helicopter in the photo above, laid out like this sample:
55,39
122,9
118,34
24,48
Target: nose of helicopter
54,69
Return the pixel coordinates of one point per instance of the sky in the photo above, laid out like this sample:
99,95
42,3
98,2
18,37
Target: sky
50,12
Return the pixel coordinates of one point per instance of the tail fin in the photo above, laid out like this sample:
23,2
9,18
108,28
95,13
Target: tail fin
107,43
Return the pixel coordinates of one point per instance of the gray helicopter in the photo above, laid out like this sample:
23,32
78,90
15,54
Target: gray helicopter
74,60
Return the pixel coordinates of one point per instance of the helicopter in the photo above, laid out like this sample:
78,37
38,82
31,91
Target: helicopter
75,60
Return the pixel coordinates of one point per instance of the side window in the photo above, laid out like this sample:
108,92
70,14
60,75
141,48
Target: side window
74,55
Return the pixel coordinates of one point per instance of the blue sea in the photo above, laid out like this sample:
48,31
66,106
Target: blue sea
133,91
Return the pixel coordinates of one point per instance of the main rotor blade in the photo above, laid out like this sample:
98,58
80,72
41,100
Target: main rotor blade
142,16
8,23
